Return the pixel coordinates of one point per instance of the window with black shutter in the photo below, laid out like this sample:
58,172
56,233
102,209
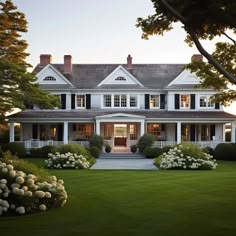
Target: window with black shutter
162,98
147,106
176,101
88,101
72,101
63,101
192,101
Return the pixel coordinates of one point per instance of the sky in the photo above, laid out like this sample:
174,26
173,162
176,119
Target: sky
99,31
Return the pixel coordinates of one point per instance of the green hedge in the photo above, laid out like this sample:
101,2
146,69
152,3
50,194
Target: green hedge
42,152
16,149
152,152
94,151
145,141
225,151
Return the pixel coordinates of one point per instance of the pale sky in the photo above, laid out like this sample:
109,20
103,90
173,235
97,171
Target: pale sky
99,31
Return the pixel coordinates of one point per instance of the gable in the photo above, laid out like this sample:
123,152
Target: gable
50,75
120,76
186,77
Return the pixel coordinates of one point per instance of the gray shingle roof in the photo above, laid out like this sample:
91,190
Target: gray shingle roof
149,114
88,76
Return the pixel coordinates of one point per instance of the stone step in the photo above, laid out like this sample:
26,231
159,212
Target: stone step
121,156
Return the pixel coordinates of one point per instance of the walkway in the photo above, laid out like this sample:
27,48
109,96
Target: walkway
123,162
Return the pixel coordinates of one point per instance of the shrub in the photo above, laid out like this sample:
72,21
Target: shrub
67,161
42,152
107,148
133,148
94,151
24,189
186,156
225,151
152,152
208,150
96,141
16,149
145,141
166,149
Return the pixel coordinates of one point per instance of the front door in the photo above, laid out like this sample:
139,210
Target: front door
120,135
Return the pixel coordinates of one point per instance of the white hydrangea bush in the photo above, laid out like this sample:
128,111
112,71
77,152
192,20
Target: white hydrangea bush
67,161
186,156
22,193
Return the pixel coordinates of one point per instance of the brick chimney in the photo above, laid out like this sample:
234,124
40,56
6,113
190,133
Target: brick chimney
129,62
67,63
197,57
45,59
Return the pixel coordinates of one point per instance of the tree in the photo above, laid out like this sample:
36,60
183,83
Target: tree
202,20
17,86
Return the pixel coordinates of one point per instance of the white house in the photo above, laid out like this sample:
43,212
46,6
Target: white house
121,102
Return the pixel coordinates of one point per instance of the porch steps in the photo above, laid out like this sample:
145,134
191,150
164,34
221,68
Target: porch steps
121,156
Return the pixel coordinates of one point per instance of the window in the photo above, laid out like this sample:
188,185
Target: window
185,132
154,129
84,132
185,101
116,100
108,128
107,100
133,132
133,101
154,101
120,78
204,133
204,102
80,101
123,101
49,78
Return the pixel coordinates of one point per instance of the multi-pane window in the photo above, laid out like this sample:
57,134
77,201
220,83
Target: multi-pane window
80,101
107,100
205,102
84,131
133,101
108,128
154,101
133,132
204,133
123,100
185,132
185,101
116,100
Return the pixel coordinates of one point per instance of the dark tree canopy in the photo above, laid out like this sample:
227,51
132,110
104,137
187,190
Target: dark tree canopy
17,86
202,20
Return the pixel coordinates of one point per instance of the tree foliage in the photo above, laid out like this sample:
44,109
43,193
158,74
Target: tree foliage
202,20
17,86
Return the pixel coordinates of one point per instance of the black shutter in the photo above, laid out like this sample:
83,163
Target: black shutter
63,101
147,106
72,101
192,132
60,132
162,98
74,127
176,101
35,131
88,101
192,101
217,105
163,127
212,131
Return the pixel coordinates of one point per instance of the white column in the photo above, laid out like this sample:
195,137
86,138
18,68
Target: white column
142,128
223,132
65,135
68,101
12,132
178,132
98,127
233,132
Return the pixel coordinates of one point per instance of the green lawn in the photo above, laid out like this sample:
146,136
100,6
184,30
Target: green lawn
143,203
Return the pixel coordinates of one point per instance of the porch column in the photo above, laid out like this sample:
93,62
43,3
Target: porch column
12,132
98,127
233,132
21,132
178,132
223,133
142,128
65,133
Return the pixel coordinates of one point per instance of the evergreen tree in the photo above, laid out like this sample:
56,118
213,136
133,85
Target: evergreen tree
202,20
17,86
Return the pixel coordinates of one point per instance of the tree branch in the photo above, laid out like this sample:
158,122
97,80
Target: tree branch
226,35
200,48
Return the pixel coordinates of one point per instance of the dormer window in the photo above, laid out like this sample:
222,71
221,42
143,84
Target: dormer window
49,78
120,78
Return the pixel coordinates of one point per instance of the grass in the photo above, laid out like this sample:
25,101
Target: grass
137,203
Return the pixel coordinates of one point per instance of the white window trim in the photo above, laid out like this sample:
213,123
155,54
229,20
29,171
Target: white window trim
120,107
185,108
80,108
207,98
154,94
